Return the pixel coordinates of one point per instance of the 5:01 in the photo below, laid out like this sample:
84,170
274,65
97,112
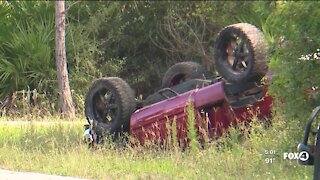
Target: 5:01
269,152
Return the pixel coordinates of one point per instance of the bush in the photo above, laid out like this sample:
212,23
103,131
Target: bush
294,82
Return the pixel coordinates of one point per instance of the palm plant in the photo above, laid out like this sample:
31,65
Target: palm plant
26,54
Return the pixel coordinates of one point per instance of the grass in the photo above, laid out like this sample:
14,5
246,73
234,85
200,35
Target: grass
58,149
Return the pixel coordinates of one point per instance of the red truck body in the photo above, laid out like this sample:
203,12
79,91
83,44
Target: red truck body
213,114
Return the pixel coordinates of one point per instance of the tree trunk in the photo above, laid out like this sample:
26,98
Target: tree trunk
66,103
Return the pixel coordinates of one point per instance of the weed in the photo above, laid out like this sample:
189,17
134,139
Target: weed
192,132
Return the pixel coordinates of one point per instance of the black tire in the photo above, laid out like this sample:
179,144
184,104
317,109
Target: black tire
183,71
316,173
241,53
109,103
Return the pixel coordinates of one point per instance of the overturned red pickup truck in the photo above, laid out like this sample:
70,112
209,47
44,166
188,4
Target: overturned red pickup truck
240,57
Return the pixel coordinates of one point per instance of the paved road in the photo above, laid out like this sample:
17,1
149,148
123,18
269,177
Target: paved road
12,175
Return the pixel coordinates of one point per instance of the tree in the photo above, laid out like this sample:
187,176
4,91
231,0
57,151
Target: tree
66,103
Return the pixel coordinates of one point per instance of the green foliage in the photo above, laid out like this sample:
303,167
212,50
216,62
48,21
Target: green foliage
27,52
295,36
138,41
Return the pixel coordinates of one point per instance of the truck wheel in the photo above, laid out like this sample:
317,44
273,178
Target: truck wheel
241,53
109,103
316,173
183,71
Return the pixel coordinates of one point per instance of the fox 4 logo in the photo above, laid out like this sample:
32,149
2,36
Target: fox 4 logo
302,156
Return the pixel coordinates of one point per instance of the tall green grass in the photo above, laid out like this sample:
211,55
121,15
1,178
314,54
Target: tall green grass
192,133
58,149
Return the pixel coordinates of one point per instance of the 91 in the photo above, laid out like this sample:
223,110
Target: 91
269,160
